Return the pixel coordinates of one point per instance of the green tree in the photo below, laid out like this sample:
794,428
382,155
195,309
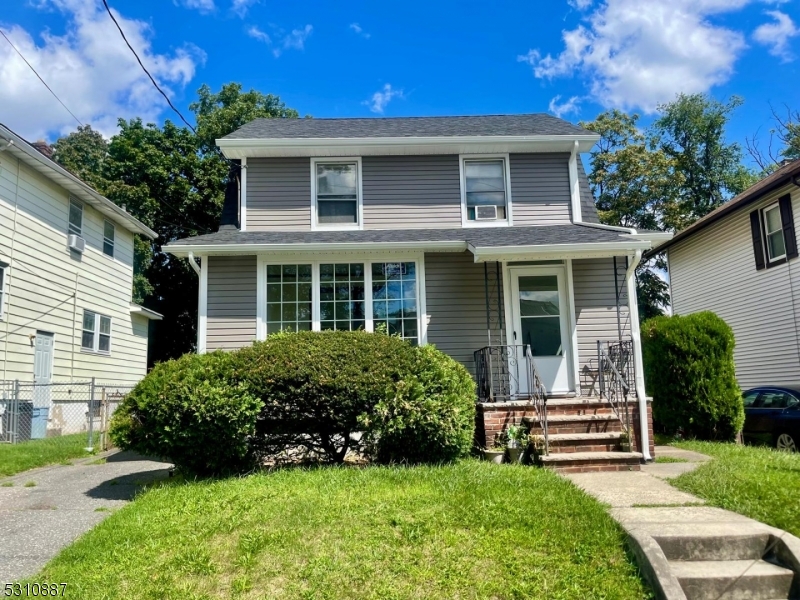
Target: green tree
83,153
691,132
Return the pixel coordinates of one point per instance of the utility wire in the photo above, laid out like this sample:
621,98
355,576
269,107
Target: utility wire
49,89
139,60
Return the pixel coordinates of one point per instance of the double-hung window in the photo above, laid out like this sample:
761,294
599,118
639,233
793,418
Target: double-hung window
773,233
485,190
96,335
75,217
336,193
344,296
108,238
3,287
773,230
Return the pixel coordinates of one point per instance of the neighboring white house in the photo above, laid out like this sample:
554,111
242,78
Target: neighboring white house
741,262
66,271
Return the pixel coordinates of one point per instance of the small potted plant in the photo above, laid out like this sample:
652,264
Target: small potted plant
625,441
497,452
517,442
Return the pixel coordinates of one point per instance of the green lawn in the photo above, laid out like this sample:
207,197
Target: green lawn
469,530
15,458
758,482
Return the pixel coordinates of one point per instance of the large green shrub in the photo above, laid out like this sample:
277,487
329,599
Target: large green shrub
192,411
689,371
303,393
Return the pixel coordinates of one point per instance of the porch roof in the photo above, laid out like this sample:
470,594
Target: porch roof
486,243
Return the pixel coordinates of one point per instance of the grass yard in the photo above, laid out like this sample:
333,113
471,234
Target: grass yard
758,482
15,458
469,530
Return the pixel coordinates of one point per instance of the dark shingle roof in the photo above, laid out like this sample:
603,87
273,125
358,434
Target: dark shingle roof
401,127
482,237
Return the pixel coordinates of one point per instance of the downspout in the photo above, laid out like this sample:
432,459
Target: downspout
633,309
193,264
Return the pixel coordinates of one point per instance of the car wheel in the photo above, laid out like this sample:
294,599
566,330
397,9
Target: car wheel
785,443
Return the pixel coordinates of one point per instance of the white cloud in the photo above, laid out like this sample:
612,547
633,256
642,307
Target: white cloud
776,35
580,4
204,6
360,31
90,69
382,97
240,7
636,58
295,40
255,32
564,108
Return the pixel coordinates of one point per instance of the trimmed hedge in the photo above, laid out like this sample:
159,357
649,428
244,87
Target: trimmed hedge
318,393
689,371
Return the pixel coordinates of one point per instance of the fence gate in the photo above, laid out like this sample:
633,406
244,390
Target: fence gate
71,415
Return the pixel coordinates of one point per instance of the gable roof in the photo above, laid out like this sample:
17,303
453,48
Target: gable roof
788,173
21,149
536,124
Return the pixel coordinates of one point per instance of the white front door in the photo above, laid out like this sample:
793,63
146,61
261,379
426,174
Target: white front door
540,320
42,367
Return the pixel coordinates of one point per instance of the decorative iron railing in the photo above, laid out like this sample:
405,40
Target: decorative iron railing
507,374
616,375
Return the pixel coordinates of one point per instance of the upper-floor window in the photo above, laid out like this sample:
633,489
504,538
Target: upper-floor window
75,216
108,238
773,229
484,187
337,196
96,335
3,286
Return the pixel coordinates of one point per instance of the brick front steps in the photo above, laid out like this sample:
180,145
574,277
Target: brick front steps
584,434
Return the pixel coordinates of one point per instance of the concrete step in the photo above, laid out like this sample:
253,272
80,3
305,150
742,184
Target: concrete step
698,545
581,437
570,418
575,424
579,456
590,462
578,407
607,441
732,579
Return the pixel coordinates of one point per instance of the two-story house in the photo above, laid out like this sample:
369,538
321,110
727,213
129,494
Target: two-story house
66,273
476,234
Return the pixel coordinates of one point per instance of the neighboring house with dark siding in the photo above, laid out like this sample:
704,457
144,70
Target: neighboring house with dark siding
476,234
740,262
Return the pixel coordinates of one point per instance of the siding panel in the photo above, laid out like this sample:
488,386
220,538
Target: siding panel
231,316
279,194
715,270
411,191
540,188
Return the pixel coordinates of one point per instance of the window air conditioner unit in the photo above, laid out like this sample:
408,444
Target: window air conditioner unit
76,243
485,213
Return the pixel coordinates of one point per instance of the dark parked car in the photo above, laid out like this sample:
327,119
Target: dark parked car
772,416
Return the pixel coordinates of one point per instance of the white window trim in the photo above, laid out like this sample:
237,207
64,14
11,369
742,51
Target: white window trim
764,211
359,192
96,333
4,267
113,241
243,196
509,220
263,261
73,200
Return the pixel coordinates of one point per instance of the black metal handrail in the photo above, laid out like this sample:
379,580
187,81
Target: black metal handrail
508,373
616,376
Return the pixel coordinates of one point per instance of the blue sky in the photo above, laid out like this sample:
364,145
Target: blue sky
572,57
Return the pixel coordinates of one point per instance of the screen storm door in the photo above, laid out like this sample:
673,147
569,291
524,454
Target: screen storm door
540,320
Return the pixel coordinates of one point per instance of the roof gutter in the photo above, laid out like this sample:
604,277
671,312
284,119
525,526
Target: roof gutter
189,250
597,249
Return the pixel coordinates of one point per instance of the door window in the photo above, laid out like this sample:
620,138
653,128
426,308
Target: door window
540,315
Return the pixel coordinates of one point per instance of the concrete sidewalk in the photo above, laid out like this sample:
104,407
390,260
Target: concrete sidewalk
66,501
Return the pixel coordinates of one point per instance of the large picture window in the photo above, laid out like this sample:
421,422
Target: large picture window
343,296
337,193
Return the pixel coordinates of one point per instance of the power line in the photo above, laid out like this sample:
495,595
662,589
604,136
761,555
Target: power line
139,60
49,89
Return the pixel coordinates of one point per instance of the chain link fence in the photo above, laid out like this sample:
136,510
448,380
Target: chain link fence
68,414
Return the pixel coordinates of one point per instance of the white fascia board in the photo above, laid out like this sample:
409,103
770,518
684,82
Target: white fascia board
555,251
23,151
146,312
265,147
656,238
228,249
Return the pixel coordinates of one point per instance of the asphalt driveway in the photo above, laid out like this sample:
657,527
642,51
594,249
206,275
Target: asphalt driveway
65,501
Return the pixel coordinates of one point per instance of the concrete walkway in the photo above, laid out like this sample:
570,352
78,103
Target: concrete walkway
37,521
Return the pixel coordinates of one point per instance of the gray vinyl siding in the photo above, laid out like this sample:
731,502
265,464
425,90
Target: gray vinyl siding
456,305
715,270
420,191
596,311
231,310
279,194
540,192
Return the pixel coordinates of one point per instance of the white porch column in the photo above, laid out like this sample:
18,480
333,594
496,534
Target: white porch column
633,310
